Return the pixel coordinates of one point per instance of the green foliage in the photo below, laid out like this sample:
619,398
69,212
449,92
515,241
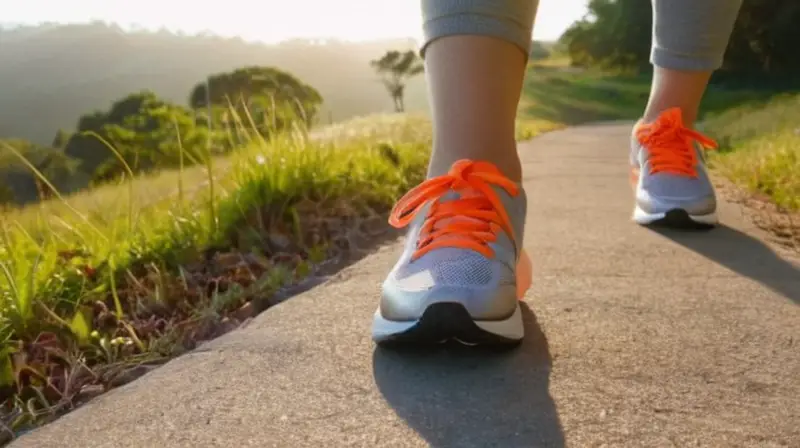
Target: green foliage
6,194
20,185
765,38
618,34
395,69
268,98
146,132
539,51
61,139
760,148
577,96
98,284
142,132
51,74
615,33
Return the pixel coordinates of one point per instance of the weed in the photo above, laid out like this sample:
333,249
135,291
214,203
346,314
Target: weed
98,287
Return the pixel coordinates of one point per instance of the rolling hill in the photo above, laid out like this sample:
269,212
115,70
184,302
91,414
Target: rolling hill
52,74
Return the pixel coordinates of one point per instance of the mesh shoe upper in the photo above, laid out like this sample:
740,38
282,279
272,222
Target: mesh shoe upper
474,218
670,161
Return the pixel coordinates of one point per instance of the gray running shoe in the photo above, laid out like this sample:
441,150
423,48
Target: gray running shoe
669,176
463,270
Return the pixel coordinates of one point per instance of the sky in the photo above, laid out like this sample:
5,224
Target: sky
268,20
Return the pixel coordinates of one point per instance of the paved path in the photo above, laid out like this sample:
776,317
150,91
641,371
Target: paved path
639,339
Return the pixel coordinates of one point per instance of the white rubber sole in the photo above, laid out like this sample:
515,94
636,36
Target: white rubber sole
511,329
644,218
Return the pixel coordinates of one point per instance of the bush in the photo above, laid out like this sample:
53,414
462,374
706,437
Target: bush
139,133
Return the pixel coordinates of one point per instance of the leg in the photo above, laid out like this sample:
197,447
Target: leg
475,56
463,269
668,169
689,41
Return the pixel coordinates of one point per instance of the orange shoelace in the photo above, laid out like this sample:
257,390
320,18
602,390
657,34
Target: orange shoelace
470,222
671,144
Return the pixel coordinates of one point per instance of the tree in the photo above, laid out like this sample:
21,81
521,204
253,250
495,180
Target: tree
57,167
273,98
618,34
6,194
61,139
538,51
614,33
145,130
18,181
765,38
395,69
23,184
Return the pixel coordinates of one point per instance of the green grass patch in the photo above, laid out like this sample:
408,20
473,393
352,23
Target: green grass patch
562,94
99,285
760,148
757,126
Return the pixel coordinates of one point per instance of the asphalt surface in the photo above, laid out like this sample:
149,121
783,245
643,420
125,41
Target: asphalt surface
635,338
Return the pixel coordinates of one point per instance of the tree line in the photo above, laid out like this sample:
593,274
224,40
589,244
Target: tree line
617,34
142,132
50,75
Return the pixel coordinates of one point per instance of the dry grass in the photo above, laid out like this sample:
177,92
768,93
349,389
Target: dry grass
99,287
760,152
760,148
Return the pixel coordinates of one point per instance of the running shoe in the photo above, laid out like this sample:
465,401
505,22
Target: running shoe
463,269
669,175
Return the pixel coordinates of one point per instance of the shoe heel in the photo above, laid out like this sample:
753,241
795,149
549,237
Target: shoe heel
633,179
524,274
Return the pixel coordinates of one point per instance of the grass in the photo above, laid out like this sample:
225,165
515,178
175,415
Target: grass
99,283
561,94
758,128
760,148
100,286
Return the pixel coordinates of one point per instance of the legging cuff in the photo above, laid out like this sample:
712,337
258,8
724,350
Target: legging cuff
476,24
672,60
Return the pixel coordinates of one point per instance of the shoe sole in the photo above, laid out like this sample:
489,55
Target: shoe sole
445,321
676,218
448,321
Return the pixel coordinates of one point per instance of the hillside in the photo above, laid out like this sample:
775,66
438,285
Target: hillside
52,74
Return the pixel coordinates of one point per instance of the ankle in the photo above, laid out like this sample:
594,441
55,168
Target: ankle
511,167
504,157
688,116
676,89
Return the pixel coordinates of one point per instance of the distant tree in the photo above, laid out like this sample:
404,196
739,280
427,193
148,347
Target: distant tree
17,180
395,69
146,131
765,38
271,97
614,33
538,51
61,139
6,194
59,169
169,64
618,34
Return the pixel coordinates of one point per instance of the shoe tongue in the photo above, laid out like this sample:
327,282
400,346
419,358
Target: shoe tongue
669,119
515,206
672,116
452,195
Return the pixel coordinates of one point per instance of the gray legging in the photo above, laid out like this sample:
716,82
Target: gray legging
687,34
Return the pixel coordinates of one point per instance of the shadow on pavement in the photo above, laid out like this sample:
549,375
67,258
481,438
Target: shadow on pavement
743,254
460,397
